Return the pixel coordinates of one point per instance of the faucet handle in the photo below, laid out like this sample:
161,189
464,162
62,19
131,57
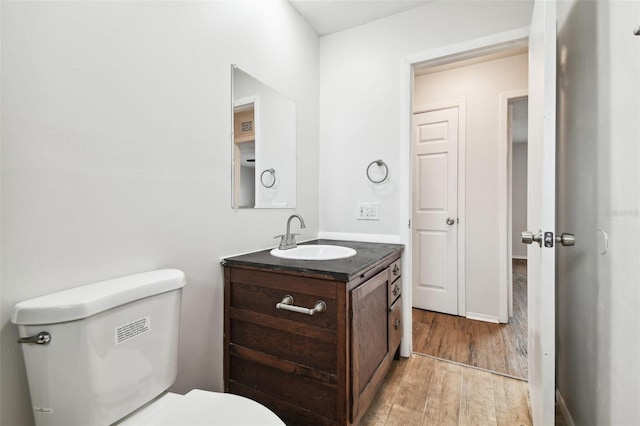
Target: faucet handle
283,241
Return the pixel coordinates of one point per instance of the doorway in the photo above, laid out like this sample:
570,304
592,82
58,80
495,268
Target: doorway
469,330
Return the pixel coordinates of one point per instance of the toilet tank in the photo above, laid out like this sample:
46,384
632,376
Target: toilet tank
113,347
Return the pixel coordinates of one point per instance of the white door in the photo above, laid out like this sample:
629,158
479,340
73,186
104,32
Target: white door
435,207
541,210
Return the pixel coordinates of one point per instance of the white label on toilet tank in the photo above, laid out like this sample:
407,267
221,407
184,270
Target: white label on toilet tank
132,329
44,410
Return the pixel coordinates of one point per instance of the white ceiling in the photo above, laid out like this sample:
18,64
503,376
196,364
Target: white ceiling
329,16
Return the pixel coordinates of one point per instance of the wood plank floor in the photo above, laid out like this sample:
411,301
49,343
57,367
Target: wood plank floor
422,390
496,347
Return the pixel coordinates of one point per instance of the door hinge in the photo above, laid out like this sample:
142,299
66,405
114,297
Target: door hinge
409,223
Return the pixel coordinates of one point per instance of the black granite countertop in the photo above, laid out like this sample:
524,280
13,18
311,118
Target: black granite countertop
341,269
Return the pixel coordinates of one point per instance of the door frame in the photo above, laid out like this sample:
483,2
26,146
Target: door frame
505,178
447,54
461,104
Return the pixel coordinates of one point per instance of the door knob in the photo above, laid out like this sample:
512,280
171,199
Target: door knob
529,237
566,239
450,221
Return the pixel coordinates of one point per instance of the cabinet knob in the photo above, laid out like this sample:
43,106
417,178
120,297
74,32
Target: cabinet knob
397,324
396,270
396,289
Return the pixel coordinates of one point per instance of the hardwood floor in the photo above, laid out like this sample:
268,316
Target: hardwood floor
495,347
426,391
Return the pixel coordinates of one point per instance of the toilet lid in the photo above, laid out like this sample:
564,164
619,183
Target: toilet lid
202,408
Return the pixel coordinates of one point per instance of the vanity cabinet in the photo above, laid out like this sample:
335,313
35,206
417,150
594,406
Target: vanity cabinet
322,368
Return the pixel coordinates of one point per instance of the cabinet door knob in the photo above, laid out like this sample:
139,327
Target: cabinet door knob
397,324
396,270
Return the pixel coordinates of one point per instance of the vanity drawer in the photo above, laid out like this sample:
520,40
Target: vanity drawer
395,270
395,290
255,323
395,283
260,293
395,325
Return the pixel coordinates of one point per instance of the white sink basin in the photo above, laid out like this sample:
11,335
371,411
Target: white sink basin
315,252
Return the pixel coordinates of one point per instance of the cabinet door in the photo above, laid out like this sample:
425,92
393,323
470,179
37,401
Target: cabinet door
369,337
287,361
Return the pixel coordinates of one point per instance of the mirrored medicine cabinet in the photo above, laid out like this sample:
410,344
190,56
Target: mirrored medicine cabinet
263,144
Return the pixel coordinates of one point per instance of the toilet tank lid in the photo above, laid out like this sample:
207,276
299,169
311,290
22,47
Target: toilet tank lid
85,301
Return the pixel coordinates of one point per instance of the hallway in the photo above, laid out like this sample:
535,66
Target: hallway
495,347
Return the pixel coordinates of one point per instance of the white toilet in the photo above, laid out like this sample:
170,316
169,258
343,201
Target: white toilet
106,353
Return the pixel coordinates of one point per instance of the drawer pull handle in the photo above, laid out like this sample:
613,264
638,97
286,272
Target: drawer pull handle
396,270
397,324
287,305
396,290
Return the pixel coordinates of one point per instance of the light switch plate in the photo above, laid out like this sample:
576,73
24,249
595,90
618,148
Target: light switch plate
368,211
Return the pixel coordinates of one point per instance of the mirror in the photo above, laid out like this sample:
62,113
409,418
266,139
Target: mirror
264,145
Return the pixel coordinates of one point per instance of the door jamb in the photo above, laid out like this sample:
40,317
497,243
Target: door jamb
505,233
446,54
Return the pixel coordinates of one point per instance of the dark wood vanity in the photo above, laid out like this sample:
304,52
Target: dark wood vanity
322,368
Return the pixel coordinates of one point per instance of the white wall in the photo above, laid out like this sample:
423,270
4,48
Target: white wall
519,199
362,110
480,85
361,100
598,188
116,154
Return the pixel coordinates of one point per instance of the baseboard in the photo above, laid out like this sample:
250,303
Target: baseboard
483,317
563,409
519,257
367,238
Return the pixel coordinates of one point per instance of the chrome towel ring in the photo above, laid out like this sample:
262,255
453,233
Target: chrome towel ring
272,171
379,163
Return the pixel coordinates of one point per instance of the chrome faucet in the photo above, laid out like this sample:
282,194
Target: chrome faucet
288,241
